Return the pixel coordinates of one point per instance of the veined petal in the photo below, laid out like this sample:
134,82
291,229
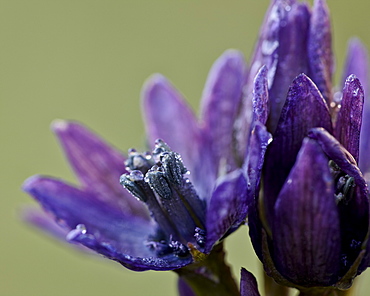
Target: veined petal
220,103
252,168
168,117
338,154
101,227
44,222
248,284
150,262
304,109
282,47
320,52
228,207
261,108
349,120
306,229
71,207
354,213
97,165
357,63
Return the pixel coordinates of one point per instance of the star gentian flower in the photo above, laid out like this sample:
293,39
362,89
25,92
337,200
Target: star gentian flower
310,225
180,200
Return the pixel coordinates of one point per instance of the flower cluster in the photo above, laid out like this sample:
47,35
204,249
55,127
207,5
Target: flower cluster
277,143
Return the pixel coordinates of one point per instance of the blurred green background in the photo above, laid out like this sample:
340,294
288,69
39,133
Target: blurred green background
87,60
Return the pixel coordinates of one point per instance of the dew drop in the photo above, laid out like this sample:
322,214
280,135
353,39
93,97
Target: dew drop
75,233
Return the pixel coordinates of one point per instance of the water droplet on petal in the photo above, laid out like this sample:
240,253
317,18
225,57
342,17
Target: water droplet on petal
75,233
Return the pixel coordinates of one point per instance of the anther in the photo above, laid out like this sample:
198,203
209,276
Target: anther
138,161
155,177
134,183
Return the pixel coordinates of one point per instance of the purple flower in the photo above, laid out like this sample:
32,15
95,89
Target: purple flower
310,228
165,218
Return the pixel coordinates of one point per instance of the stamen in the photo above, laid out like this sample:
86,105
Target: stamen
344,184
138,161
134,184
157,180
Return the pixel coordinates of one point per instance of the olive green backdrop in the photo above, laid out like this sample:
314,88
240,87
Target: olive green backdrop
87,60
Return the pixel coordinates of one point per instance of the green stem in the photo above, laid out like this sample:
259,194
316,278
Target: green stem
210,275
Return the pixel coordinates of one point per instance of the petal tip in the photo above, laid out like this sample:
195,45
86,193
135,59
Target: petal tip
155,84
232,54
59,125
29,184
154,80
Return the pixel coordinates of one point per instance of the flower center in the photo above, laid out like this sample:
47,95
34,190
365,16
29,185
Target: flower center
157,179
344,184
345,188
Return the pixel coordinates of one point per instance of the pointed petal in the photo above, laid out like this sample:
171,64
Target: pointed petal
253,162
306,228
71,207
282,47
45,222
357,63
227,208
261,96
335,151
167,117
248,284
100,227
354,214
97,165
220,103
252,168
320,52
304,109
349,120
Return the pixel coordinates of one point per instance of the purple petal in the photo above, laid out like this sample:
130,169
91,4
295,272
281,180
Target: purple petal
248,284
304,109
220,102
252,168
335,151
282,47
354,214
357,63
45,222
184,288
149,262
99,226
97,165
254,159
306,228
227,208
320,53
348,124
261,96
167,117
